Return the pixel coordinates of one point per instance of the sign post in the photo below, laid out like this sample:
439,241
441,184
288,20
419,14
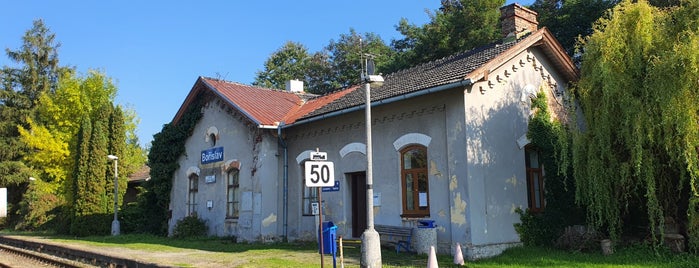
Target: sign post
320,173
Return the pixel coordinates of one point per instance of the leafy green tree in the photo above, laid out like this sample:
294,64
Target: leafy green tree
638,92
347,52
37,71
338,65
287,63
458,25
116,144
570,19
79,182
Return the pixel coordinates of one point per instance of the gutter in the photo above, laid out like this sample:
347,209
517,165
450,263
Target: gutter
285,183
461,83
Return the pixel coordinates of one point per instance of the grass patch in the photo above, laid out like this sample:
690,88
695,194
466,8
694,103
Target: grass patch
221,252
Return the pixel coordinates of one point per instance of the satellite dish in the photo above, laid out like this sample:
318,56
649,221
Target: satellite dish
370,68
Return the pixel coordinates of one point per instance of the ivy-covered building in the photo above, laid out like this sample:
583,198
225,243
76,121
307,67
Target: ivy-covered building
449,145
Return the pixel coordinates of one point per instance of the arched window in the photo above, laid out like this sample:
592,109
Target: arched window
193,189
415,184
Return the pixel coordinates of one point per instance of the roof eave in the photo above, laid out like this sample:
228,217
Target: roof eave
198,87
542,38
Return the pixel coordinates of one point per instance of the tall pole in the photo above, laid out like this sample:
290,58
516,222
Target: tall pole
371,243
115,223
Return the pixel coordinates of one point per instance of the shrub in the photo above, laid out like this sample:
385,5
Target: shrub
95,224
190,226
131,218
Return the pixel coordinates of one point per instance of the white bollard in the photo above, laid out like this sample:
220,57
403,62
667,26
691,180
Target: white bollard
458,255
432,259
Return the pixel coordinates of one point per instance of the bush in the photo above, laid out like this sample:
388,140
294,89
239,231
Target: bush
537,229
190,226
131,218
95,224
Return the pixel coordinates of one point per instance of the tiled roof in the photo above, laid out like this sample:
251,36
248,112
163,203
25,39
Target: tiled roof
427,75
264,106
142,174
272,107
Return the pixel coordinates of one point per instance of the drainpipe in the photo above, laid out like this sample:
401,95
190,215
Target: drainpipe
285,179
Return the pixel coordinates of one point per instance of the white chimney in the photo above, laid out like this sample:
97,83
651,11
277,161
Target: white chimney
294,86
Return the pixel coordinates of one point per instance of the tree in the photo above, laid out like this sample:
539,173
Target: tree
458,25
346,56
569,20
338,65
37,71
287,63
637,154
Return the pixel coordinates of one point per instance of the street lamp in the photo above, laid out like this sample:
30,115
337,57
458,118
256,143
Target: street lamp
115,223
371,243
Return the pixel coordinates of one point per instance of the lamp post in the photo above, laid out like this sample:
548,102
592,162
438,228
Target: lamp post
371,243
115,223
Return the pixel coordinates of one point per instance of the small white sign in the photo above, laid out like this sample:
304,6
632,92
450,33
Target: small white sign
314,208
319,156
3,202
210,179
319,174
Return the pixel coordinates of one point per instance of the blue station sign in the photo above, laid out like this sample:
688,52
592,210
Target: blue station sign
334,188
212,155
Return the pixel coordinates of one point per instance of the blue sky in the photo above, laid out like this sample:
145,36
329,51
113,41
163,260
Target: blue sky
155,50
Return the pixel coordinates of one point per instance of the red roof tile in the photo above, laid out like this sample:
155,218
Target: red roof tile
264,106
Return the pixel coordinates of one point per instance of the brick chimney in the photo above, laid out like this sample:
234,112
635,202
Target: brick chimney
516,19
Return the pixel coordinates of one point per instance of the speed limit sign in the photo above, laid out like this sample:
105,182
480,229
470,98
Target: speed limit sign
319,173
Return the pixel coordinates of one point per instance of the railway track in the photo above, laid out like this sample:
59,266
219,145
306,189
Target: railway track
11,257
58,256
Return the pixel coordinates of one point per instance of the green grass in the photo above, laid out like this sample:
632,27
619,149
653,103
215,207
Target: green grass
218,252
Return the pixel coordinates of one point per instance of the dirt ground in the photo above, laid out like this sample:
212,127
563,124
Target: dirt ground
179,257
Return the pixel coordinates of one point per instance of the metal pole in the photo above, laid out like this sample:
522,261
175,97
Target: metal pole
371,243
320,224
115,224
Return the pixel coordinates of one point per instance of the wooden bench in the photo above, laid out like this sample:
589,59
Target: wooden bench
401,236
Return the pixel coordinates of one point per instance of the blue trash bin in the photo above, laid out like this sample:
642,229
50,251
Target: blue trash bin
329,234
425,224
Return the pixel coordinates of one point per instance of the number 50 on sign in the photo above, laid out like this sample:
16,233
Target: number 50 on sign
319,173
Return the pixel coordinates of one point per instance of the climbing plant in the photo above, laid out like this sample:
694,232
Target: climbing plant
637,153
551,139
167,146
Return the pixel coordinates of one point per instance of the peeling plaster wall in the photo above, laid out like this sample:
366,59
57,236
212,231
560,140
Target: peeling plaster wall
255,150
495,117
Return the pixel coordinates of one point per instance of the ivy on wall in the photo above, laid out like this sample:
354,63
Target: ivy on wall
167,146
551,140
